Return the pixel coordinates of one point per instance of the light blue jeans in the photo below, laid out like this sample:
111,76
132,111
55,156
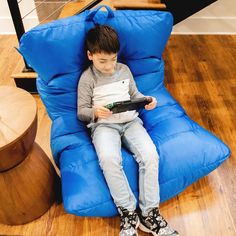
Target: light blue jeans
107,139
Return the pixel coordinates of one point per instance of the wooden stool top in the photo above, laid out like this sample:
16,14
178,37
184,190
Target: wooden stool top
18,111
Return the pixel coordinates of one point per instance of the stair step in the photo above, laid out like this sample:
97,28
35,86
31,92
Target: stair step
25,75
138,5
26,80
72,8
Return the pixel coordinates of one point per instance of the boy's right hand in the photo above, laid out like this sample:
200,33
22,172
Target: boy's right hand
102,112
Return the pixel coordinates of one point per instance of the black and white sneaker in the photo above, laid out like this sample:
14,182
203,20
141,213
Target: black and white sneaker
155,224
129,222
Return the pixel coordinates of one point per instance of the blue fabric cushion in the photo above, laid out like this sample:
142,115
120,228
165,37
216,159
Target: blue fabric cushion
56,52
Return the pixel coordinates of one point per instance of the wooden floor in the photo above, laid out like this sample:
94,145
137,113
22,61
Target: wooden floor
201,75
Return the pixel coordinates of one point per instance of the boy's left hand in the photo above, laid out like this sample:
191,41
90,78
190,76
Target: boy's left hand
152,104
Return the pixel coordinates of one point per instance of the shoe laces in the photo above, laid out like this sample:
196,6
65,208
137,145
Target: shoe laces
156,220
128,218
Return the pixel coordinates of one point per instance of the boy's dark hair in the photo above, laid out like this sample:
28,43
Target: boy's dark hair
102,38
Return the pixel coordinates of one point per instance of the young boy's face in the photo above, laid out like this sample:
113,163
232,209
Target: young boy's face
103,62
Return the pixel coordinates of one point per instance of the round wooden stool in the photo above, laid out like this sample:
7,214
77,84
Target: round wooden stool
28,180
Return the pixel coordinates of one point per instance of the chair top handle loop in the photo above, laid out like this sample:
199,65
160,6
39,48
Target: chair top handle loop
94,12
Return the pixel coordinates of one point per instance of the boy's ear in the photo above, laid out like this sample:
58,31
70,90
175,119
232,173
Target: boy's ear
90,56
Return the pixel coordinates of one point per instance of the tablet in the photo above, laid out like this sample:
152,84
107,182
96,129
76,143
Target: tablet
129,105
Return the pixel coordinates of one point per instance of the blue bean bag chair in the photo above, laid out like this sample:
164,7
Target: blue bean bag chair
56,52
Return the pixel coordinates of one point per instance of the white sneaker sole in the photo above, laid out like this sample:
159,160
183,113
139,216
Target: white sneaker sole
146,230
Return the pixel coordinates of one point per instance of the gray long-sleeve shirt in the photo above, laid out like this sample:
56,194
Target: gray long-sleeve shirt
96,89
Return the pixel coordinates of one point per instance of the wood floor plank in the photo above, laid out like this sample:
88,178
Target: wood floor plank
200,73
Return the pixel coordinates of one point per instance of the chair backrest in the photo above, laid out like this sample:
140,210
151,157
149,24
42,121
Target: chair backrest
56,52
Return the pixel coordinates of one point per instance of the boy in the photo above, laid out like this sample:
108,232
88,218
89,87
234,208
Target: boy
104,82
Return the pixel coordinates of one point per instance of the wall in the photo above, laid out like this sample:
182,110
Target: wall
6,25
